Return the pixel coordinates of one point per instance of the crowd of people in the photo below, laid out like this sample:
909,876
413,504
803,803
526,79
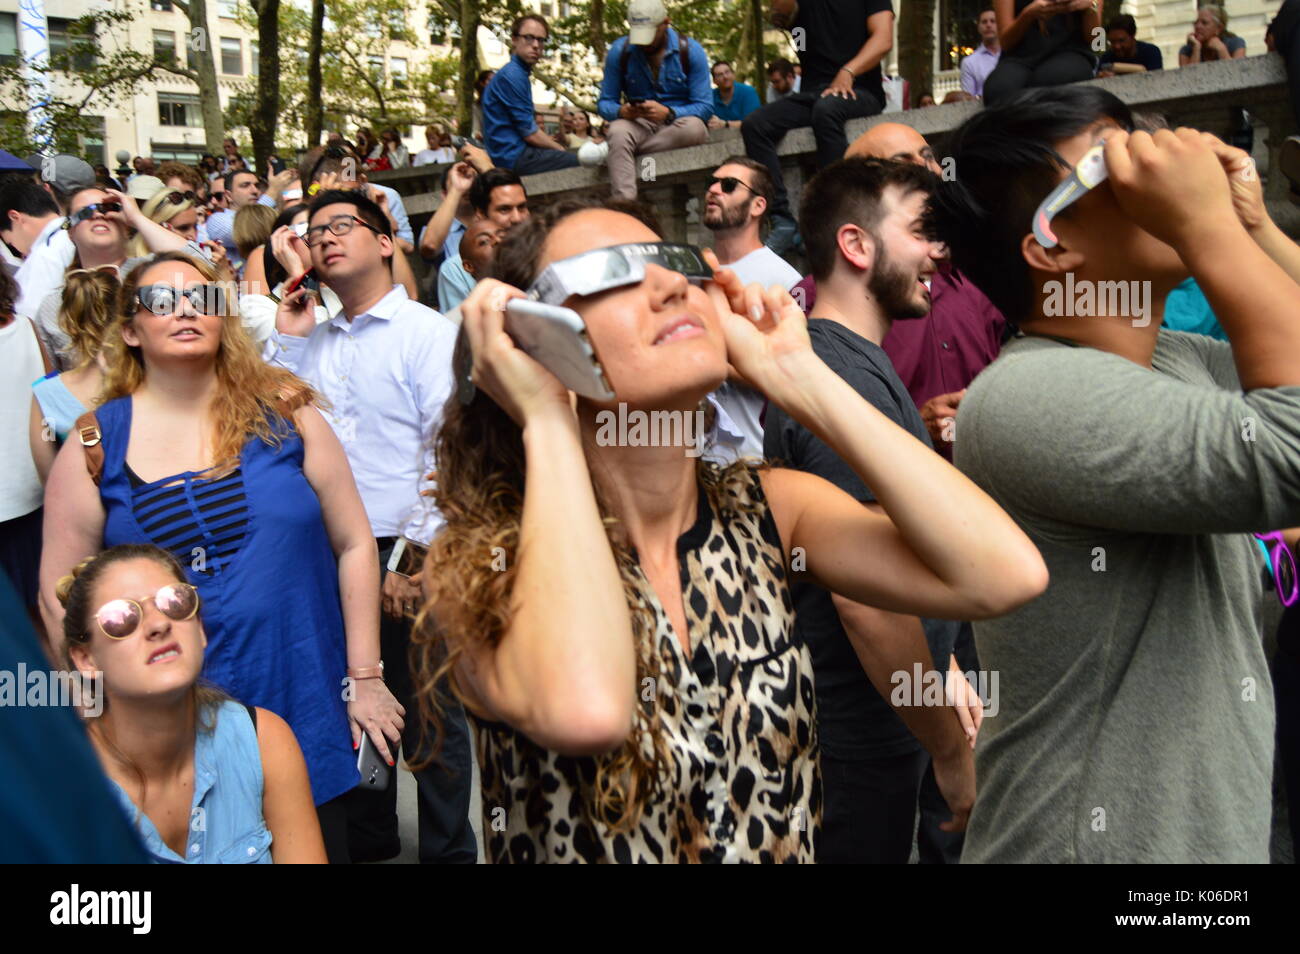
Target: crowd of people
268,496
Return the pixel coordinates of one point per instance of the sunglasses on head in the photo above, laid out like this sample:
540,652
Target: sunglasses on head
728,184
118,619
90,211
178,198
164,299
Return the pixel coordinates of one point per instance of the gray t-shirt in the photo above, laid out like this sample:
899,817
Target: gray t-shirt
1136,710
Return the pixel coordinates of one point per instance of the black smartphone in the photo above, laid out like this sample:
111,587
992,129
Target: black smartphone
374,768
307,279
277,164
635,102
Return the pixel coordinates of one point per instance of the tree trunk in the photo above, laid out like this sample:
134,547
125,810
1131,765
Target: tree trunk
1109,9
266,110
596,30
315,110
469,21
916,47
756,18
202,41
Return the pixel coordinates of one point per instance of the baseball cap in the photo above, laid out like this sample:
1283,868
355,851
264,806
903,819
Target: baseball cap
144,188
65,173
644,17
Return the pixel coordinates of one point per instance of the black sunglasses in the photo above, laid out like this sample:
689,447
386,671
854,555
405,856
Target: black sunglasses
164,299
729,183
89,212
177,198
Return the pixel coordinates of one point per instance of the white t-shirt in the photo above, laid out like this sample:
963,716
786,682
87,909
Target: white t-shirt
20,366
738,431
766,268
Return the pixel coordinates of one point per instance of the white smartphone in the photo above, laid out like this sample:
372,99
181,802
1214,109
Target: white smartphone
556,338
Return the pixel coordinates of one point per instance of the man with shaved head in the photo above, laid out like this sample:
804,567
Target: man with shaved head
939,355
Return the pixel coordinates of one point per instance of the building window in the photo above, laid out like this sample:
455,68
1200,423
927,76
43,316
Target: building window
398,69
8,39
164,46
162,6
64,35
179,109
232,56
228,9
92,144
397,21
547,10
376,64
957,31
252,58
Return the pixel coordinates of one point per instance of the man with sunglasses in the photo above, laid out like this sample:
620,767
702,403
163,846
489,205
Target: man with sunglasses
42,270
1139,460
735,209
514,140
384,364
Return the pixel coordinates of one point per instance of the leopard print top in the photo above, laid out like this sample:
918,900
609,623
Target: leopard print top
743,782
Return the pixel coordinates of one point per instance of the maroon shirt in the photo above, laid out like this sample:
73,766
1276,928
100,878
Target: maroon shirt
942,352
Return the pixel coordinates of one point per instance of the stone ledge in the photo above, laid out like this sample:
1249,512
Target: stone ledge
1195,95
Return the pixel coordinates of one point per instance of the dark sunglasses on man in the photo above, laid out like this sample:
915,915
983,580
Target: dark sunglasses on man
728,184
90,211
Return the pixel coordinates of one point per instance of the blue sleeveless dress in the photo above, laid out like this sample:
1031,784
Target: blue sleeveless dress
254,545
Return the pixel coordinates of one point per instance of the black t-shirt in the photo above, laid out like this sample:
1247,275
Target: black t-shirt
1146,54
853,720
833,33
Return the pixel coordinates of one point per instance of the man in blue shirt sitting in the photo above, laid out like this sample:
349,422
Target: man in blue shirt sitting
1127,54
510,129
665,79
732,101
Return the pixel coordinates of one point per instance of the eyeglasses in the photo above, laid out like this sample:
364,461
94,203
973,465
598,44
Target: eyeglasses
337,225
164,299
531,38
605,268
1282,563
728,184
90,211
118,619
1090,172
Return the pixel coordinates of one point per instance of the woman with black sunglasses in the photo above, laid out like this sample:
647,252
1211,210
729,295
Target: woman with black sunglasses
206,451
204,778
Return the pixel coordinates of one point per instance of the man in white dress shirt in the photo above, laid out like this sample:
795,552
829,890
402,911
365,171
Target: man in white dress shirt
734,209
384,365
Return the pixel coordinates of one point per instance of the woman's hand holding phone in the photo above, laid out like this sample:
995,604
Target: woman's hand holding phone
520,385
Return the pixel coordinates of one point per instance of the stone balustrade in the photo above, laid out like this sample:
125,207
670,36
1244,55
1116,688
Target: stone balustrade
1202,96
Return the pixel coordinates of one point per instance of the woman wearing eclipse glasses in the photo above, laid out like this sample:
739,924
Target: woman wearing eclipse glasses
617,619
176,750
207,452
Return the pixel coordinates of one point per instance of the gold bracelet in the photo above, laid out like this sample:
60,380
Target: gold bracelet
369,672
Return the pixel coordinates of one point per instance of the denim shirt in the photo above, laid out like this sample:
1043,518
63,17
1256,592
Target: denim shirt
687,93
226,823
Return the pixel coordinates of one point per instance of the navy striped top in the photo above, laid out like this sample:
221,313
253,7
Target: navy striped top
172,512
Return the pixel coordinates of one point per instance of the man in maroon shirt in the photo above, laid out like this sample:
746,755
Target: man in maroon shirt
939,355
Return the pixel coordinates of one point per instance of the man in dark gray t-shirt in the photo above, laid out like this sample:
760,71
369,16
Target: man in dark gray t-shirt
872,763
1136,712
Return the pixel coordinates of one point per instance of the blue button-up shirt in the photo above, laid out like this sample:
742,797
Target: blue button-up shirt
508,113
226,823
688,93
386,374
221,228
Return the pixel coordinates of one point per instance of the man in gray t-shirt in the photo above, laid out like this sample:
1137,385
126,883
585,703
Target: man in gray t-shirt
1135,717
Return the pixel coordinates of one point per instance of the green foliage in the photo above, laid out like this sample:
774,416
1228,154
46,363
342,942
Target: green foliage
105,74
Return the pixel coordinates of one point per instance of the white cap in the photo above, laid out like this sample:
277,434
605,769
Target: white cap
144,188
644,17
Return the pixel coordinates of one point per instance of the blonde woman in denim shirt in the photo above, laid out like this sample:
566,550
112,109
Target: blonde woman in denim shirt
203,778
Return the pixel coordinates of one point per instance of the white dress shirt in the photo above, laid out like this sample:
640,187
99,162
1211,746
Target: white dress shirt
42,270
386,374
